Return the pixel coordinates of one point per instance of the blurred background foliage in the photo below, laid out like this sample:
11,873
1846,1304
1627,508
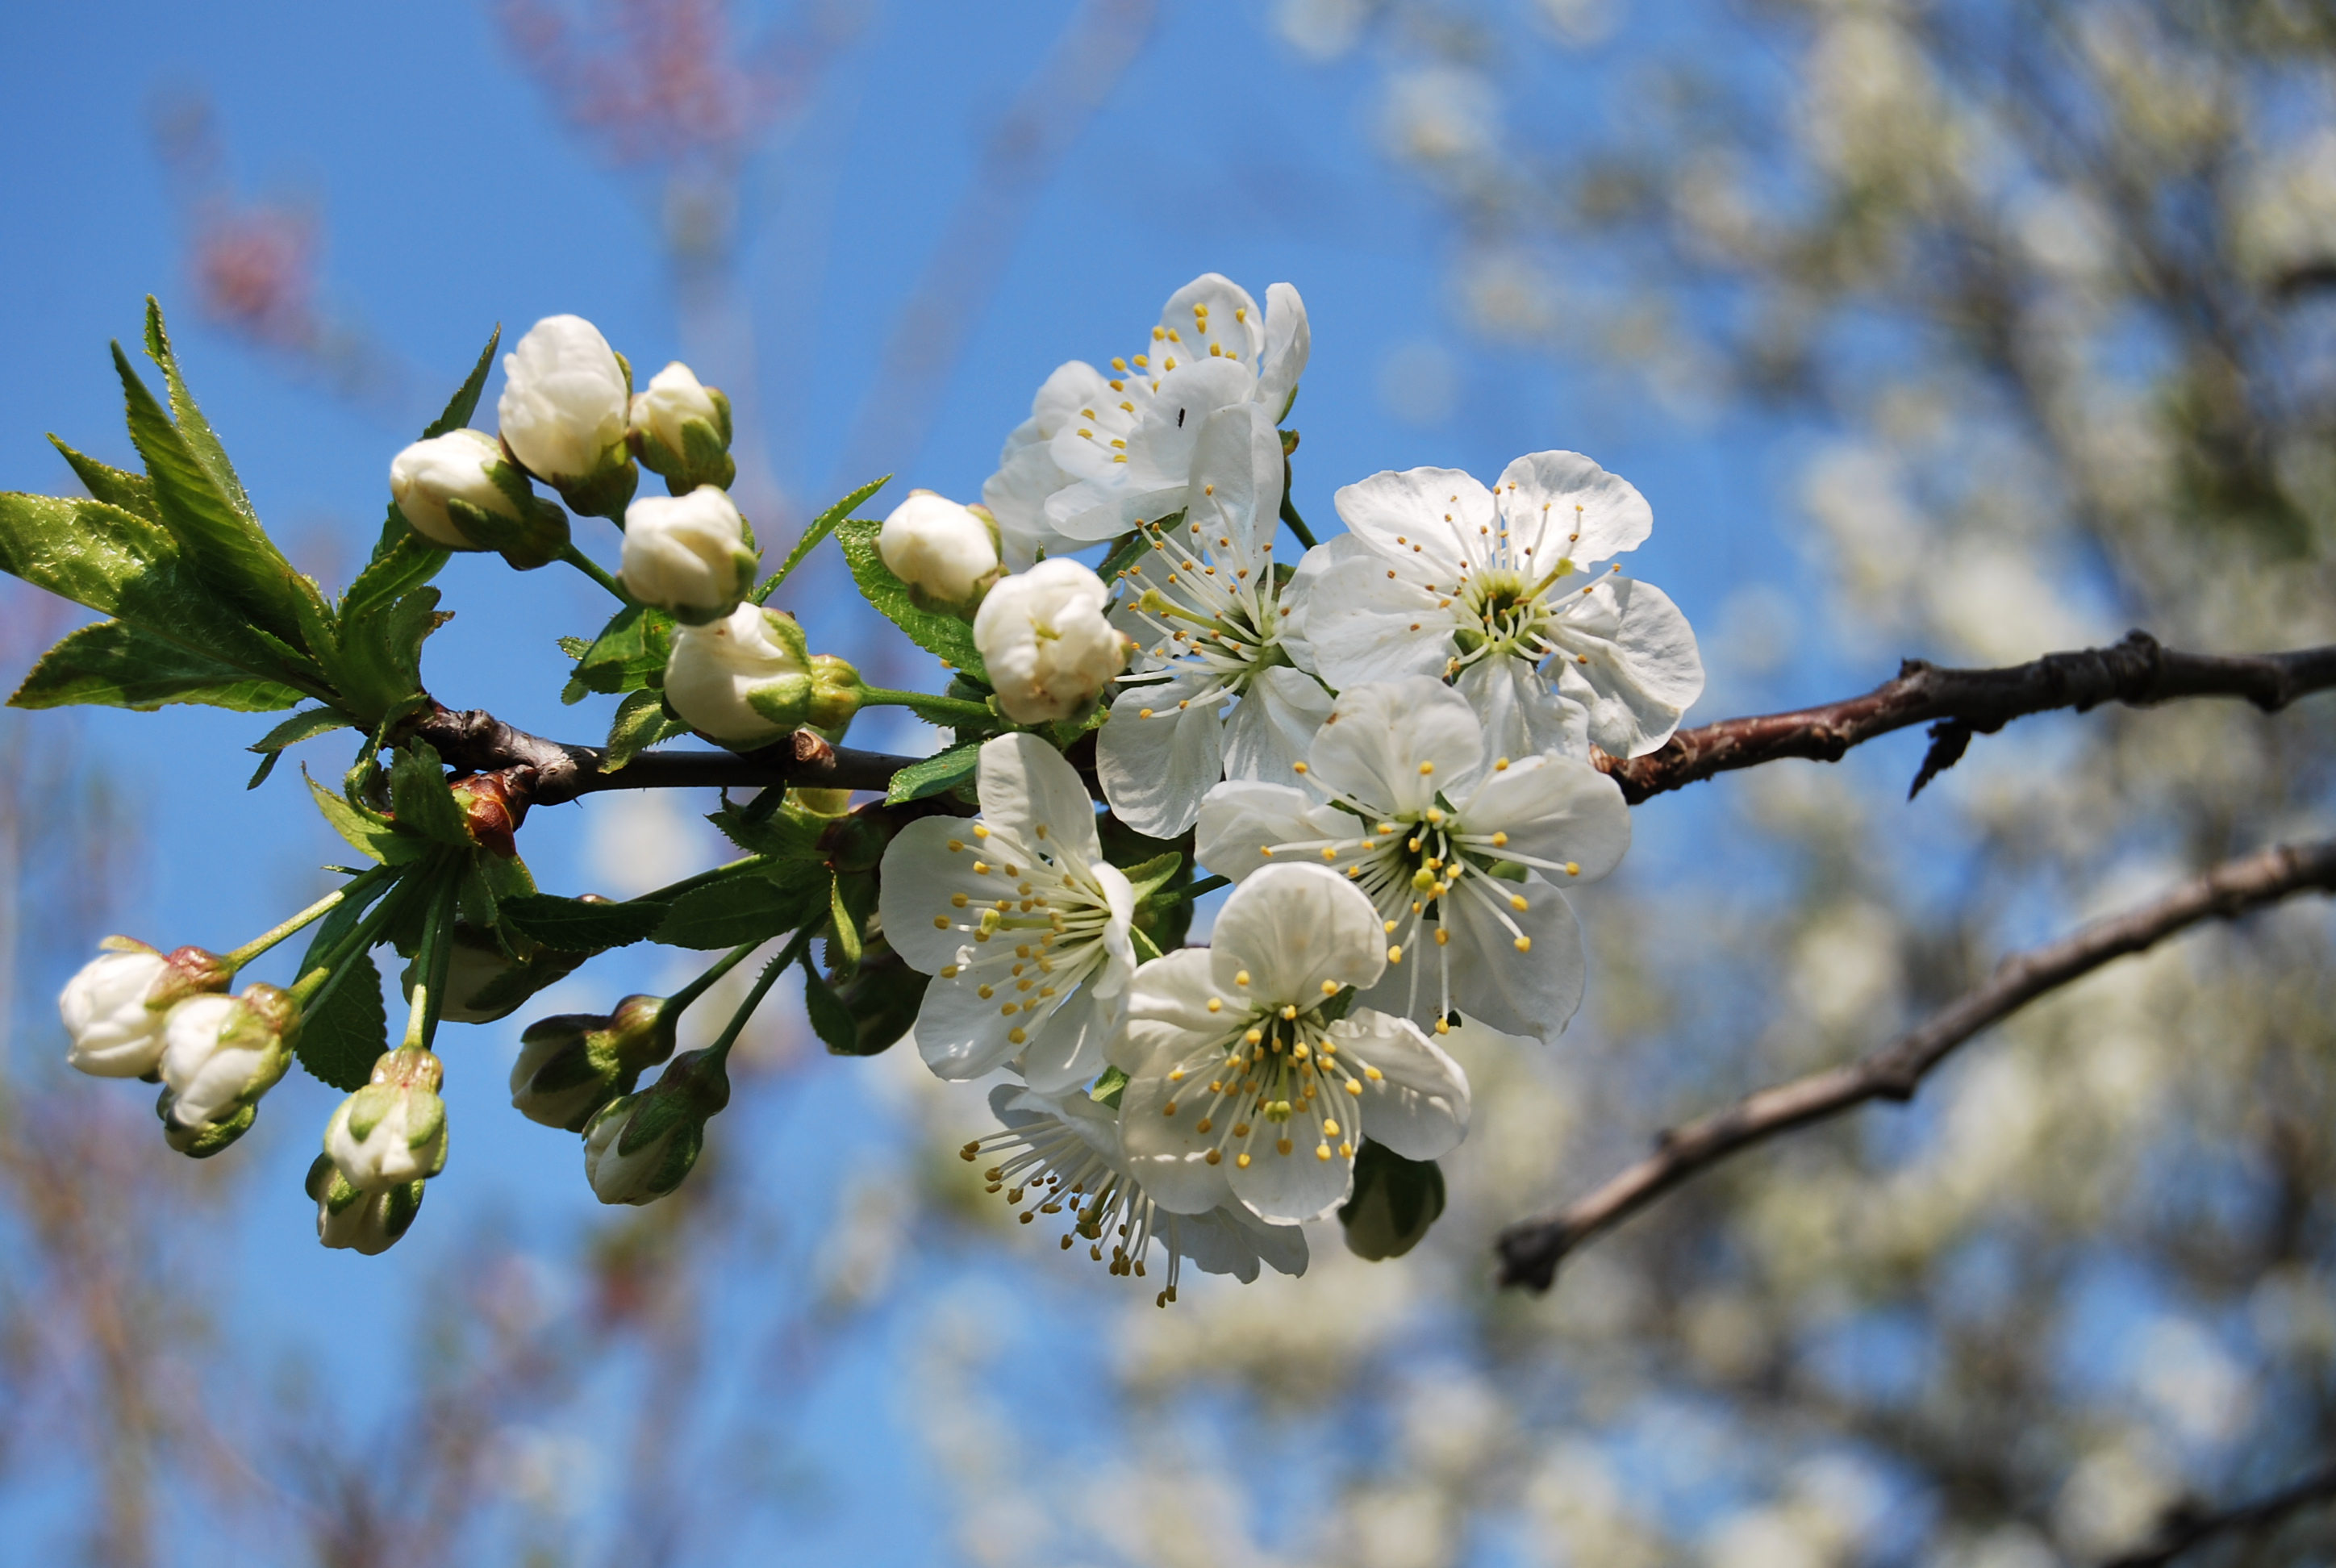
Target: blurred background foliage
1993,326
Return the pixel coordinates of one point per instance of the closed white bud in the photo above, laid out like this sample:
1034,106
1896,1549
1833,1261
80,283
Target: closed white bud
1050,649
115,1007
638,1148
392,1132
564,402
688,555
681,429
715,674
222,1053
349,1216
945,553
458,466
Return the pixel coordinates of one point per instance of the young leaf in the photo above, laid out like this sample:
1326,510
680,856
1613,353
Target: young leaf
580,925
831,1020
116,664
641,722
943,635
201,440
130,491
629,654
784,835
419,795
371,835
403,561
943,770
821,527
843,948
377,664
740,908
881,1002
1153,874
1107,1089
340,1040
307,725
465,401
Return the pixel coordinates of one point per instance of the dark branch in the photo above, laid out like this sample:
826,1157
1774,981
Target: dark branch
549,771
2185,1527
1532,1250
1961,703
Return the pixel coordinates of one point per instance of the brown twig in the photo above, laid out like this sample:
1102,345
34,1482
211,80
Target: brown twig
549,772
2185,1527
1532,1250
1958,703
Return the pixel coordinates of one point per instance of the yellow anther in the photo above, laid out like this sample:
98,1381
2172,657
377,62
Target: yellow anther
1282,1146
1394,955
1214,1155
959,900
1500,841
1168,1109
1144,713
1501,764
949,971
1524,944
1241,979
1443,937
1017,1036
1255,1036
1354,1087
1241,1160
1321,1151
940,922
1331,1127
1289,1013
1574,868
1329,988
1517,902
1301,767
956,845
1216,1004
1426,768
985,992
1176,1076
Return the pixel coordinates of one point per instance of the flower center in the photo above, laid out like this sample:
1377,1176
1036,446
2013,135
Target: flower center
1051,1165
1051,914
1276,1083
1506,613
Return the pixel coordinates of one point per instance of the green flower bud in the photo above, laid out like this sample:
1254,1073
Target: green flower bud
393,1131
1395,1201
680,428
349,1216
570,1066
639,1148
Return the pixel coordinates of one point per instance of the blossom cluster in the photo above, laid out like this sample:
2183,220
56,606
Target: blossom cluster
1385,748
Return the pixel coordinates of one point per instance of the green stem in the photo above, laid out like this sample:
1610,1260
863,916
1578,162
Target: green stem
1192,890
438,955
311,989
952,712
1297,523
593,570
679,1001
780,963
307,917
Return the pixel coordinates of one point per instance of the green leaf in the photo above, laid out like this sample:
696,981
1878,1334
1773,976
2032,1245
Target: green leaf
578,925
376,662
1108,1088
641,722
307,725
340,1041
747,908
788,833
423,804
844,945
374,836
465,401
945,637
222,542
1153,875
629,654
1395,1201
116,664
1146,950
943,770
130,491
821,527
831,1020
200,439
121,564
403,561
882,1000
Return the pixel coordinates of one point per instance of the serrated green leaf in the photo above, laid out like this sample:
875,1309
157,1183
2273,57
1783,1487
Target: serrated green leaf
377,664
748,908
116,664
201,440
821,527
465,401
423,804
783,833
130,491
942,770
641,722
574,647
223,544
1153,874
945,637
340,1041
573,925
374,837
307,725
629,654
843,926
831,1020
1107,1089
403,562
122,565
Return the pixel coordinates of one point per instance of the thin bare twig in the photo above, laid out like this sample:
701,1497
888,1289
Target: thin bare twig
2186,1527
1532,1250
1958,703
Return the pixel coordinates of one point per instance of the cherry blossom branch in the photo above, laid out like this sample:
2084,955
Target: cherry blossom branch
1958,703
549,772
2185,1527
1532,1250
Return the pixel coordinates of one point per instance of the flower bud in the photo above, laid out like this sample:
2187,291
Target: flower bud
1049,649
638,1148
486,981
115,1007
221,1054
947,554
570,1066
689,554
350,1216
493,807
681,429
1394,1202
392,1132
562,414
743,681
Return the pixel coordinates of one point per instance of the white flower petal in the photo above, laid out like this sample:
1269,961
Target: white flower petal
1392,745
1168,1016
1226,316
1237,474
1533,993
1066,1049
1642,670
1522,713
1028,791
1360,619
1160,1146
915,884
1017,496
1270,732
1303,591
1405,515
1420,1105
1242,818
1553,809
1296,1186
1282,1246
1118,948
1538,497
961,1034
1293,930
1288,340
1155,769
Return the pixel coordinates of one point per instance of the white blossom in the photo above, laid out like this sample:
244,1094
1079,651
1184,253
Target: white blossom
1061,1151
1049,647
368,1222
564,407
715,672
1457,853
653,1167
945,553
456,466
109,1011
1494,591
687,554
673,397
1102,454
1019,919
392,1131
1213,628
1247,1084
220,1051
